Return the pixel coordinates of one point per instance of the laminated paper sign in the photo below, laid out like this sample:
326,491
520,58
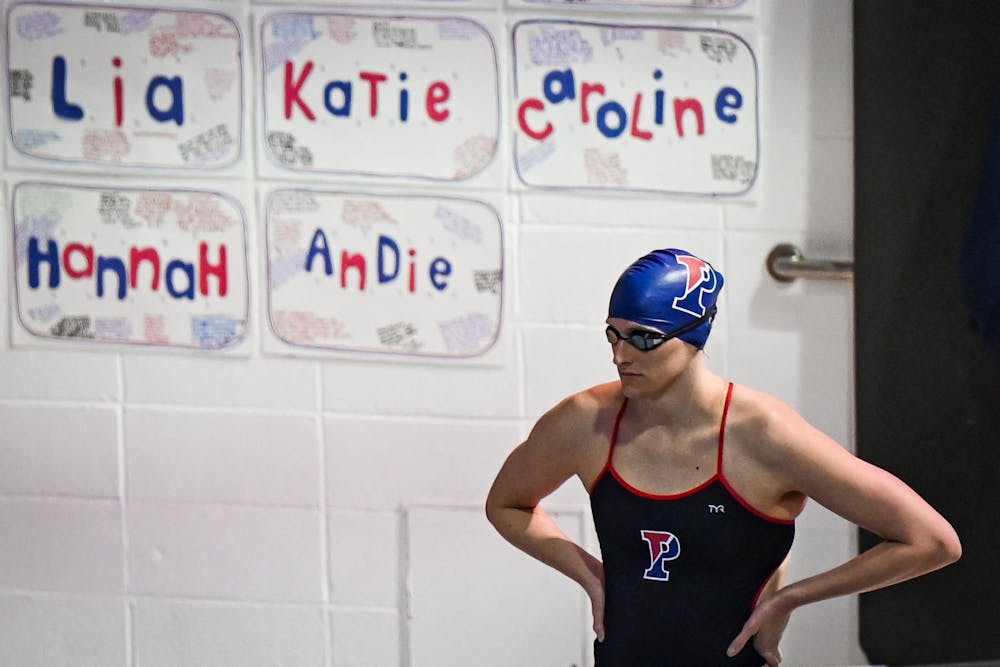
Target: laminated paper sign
417,276
164,268
644,108
379,96
130,86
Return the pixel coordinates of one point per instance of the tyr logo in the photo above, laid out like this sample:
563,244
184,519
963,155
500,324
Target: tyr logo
663,547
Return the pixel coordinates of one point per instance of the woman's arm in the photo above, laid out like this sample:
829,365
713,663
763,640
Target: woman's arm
536,468
916,539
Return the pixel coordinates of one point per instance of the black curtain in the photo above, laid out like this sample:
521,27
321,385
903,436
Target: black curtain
927,255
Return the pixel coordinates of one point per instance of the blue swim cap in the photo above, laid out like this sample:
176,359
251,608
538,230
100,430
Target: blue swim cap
668,290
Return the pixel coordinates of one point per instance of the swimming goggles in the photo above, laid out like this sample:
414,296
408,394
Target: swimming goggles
645,340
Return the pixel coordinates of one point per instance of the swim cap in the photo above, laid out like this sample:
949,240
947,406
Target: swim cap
669,290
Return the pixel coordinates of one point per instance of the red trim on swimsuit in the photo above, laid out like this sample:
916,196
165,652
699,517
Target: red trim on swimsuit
609,468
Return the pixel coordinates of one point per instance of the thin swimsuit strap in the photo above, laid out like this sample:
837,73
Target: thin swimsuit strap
722,430
719,475
608,466
614,433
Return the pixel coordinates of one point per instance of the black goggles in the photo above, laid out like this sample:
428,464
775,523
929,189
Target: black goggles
645,340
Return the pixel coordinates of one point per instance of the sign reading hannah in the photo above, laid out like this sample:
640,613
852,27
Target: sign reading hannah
405,275
634,108
152,267
125,85
379,96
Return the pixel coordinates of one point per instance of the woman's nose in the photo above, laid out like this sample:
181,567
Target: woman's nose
619,352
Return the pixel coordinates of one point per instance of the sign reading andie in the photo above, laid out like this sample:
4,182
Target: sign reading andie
125,85
130,266
405,275
379,96
618,107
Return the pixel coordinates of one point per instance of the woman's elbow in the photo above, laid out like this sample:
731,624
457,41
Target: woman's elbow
945,548
951,548
495,507
491,509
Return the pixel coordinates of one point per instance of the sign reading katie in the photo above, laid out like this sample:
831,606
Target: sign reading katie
616,107
379,96
404,275
129,86
163,268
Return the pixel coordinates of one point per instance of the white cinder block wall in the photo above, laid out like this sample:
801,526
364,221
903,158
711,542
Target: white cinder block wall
191,510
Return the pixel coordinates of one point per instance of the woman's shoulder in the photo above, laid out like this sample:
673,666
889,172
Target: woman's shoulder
763,439
585,413
775,435
755,412
765,425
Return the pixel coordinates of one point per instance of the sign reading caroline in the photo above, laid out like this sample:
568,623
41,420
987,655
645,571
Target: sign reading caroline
379,96
151,267
128,86
616,107
404,275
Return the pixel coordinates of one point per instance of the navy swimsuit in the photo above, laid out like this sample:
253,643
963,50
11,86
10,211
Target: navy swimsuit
682,572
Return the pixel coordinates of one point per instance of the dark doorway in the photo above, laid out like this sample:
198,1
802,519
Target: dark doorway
927,80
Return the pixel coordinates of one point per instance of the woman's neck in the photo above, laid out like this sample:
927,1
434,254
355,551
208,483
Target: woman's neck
692,397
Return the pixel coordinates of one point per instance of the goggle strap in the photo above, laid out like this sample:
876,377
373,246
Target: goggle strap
694,324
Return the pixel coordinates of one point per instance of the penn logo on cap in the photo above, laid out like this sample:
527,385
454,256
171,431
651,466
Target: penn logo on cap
669,290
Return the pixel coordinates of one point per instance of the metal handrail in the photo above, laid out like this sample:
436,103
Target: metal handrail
785,263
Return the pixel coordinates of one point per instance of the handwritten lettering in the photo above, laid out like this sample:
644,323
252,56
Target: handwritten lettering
474,154
207,146
535,155
114,208
28,139
611,117
38,25
604,168
399,334
105,145
73,327
552,46
387,35
112,329
154,329
365,214
214,331
733,168
386,261
305,327
153,207
466,334
718,49
341,29
44,313
79,261
487,281
282,145
293,201
458,224
102,21
338,95
21,83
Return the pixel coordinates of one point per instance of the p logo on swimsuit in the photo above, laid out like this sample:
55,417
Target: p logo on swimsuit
701,280
663,547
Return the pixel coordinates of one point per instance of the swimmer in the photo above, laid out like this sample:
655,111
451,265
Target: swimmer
695,484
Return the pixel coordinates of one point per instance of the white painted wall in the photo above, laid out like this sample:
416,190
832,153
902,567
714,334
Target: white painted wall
187,510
